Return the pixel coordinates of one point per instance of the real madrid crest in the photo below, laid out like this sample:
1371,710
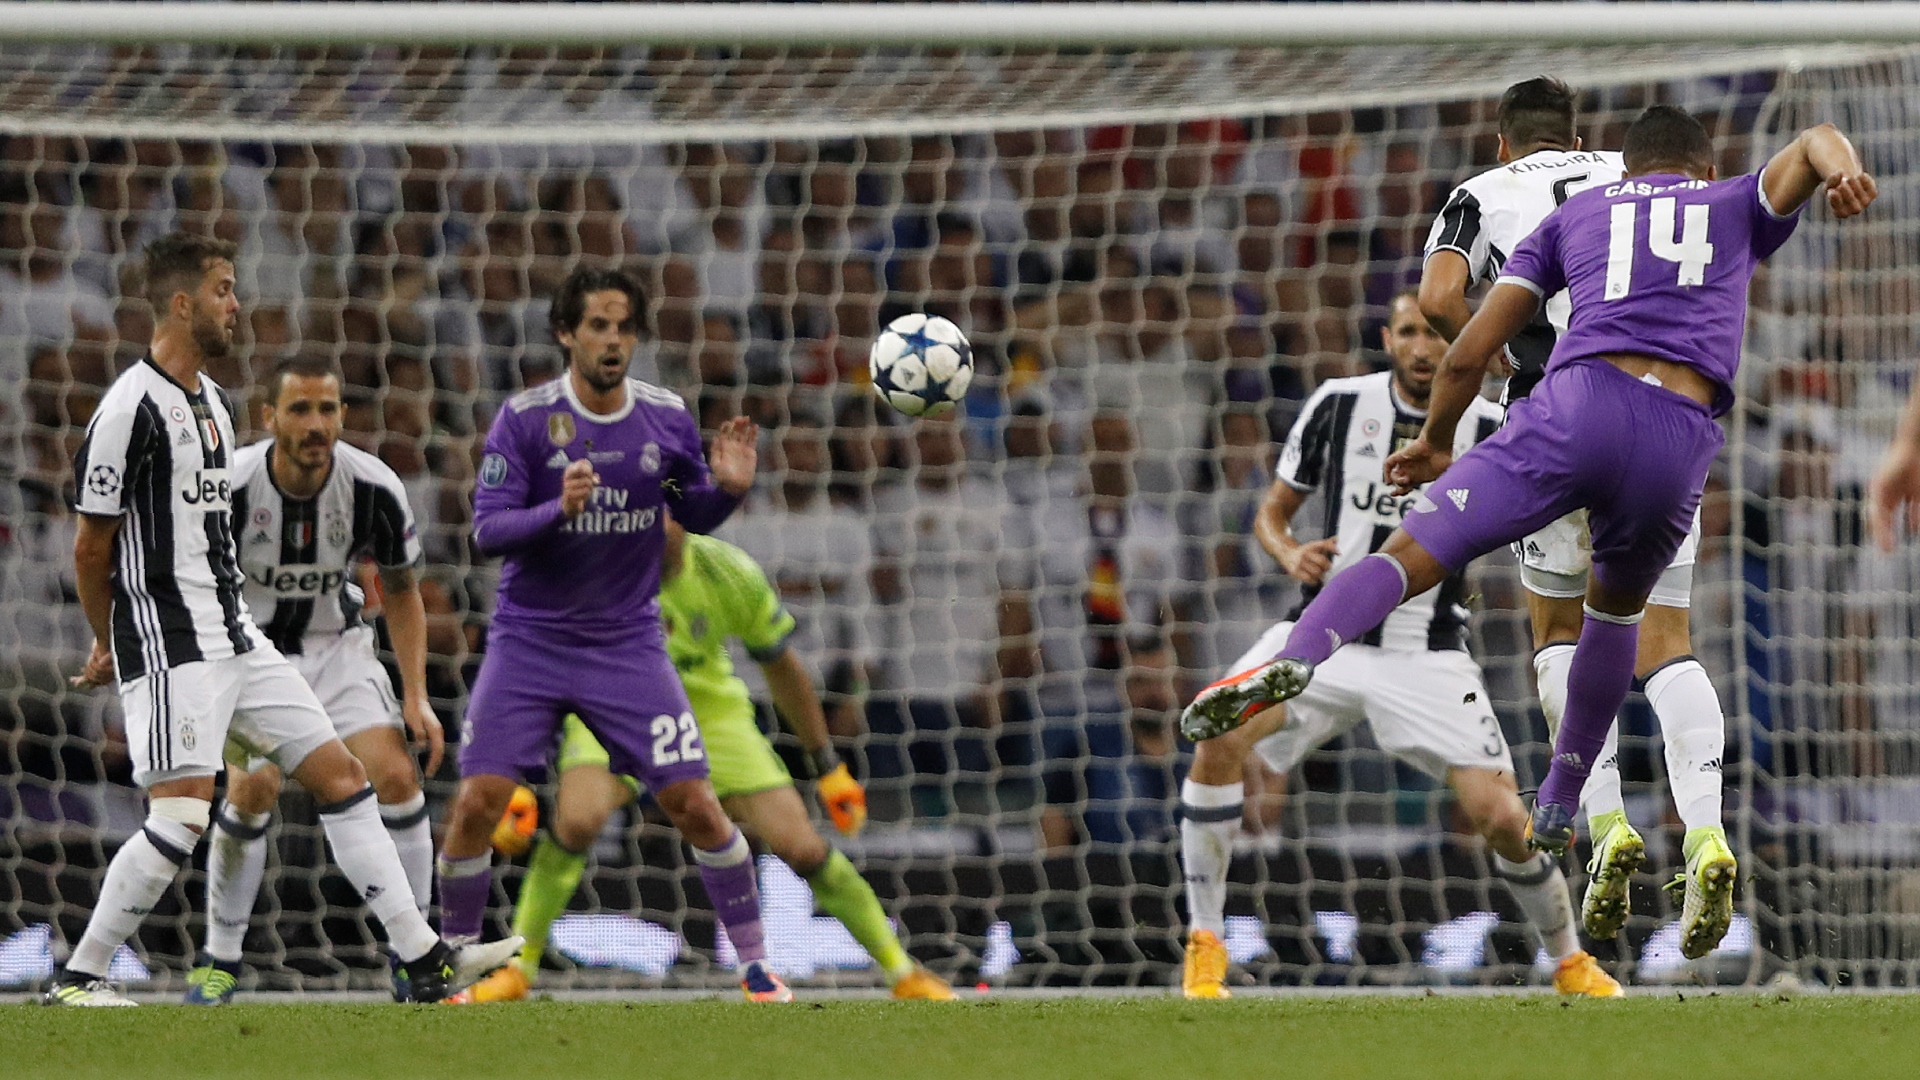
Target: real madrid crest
650,458
560,429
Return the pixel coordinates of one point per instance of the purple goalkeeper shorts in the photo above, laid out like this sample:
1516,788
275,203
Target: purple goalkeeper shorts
623,688
1633,454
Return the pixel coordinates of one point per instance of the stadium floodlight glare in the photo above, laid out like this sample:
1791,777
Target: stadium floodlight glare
1158,225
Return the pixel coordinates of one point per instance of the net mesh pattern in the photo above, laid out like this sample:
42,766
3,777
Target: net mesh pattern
1157,256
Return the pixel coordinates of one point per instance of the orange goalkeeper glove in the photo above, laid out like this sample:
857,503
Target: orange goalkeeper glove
513,835
844,798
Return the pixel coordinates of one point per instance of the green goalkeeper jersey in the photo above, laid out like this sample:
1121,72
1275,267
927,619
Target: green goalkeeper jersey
720,592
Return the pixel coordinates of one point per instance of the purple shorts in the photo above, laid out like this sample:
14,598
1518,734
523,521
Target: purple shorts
623,688
1591,436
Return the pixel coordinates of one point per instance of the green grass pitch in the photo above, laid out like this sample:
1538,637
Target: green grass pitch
1692,1034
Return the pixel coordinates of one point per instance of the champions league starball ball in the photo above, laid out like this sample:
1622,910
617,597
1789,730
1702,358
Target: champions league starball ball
921,365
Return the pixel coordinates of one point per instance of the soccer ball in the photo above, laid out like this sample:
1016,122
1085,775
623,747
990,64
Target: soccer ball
921,365
514,834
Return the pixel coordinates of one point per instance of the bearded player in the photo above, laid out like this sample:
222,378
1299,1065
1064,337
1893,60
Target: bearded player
714,592
572,492
1623,425
307,509
1410,677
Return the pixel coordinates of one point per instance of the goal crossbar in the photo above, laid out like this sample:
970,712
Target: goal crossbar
984,24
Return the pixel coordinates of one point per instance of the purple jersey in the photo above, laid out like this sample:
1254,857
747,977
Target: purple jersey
599,571
1655,265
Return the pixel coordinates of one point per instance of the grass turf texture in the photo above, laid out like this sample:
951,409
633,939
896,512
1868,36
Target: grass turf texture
1694,1035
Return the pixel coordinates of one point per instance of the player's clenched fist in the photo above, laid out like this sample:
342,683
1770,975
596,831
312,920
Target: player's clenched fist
844,799
576,487
1850,192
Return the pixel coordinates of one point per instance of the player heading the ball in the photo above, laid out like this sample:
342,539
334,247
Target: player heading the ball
571,491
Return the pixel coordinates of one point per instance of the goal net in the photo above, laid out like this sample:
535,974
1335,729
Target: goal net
1157,252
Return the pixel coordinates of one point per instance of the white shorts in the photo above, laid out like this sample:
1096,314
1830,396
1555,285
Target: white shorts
179,721
353,687
1429,709
1554,563
351,683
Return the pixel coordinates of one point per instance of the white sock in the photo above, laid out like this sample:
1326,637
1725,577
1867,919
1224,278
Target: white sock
1695,733
1601,794
1541,891
140,872
236,862
1209,814
365,854
412,836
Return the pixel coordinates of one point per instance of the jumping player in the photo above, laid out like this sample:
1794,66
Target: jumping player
1485,219
571,491
1410,677
1623,425
306,509
713,592
158,575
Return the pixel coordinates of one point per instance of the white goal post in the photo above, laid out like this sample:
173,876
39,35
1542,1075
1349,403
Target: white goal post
1161,225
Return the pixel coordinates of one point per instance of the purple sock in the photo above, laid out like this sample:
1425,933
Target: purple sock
1597,685
727,872
1353,602
465,886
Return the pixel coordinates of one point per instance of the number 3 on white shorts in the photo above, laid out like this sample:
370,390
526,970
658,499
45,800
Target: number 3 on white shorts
665,728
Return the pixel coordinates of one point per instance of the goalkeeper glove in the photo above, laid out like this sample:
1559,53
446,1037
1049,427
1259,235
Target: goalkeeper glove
513,834
844,798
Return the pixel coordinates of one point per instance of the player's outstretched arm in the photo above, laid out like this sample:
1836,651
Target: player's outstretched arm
1820,156
702,491
1463,370
1893,498
794,698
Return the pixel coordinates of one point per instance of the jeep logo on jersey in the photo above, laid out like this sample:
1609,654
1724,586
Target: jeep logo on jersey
298,580
1382,503
208,488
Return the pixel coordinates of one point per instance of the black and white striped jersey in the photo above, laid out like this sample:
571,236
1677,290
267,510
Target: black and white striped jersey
298,554
156,456
1487,216
1338,447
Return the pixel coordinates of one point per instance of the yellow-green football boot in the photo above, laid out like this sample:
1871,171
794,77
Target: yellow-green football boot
1708,884
1618,852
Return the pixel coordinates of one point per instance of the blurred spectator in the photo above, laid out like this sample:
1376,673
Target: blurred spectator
1102,567
819,556
1112,777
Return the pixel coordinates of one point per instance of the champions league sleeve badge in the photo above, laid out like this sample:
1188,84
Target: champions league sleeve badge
493,469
